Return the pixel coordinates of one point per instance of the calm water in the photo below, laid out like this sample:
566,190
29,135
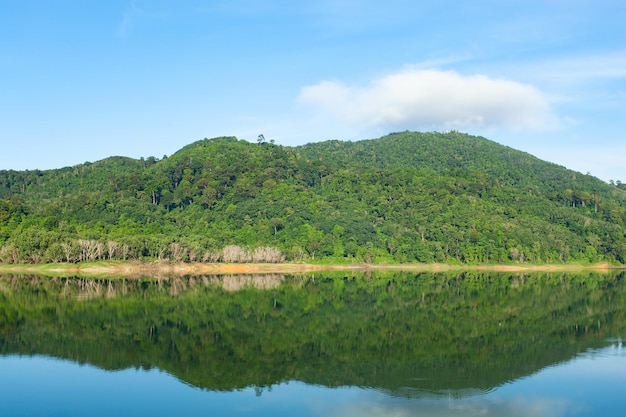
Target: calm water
324,345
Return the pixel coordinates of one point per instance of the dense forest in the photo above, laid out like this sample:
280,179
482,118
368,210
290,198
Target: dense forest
403,333
406,197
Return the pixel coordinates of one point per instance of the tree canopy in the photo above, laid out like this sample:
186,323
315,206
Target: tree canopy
406,197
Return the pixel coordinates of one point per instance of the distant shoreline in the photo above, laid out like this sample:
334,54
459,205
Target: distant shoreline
135,269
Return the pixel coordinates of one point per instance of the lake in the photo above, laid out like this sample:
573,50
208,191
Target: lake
330,344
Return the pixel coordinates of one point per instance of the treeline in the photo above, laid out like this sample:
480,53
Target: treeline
406,197
80,250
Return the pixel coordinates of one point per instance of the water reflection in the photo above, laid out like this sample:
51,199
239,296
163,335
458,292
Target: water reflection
400,337
588,385
96,288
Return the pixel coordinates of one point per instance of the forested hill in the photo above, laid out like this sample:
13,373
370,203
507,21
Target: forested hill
406,197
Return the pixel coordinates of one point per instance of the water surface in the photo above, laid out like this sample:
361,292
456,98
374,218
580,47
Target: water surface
323,345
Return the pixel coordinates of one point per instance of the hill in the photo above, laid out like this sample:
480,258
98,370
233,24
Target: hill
406,197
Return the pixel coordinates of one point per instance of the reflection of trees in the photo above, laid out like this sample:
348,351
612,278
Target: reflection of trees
86,289
259,281
407,334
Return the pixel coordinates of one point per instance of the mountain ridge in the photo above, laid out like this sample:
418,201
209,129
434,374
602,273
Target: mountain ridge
405,197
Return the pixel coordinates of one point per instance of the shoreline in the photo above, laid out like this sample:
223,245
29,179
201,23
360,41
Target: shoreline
155,268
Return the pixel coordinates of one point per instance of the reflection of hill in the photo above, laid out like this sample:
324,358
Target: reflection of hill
407,334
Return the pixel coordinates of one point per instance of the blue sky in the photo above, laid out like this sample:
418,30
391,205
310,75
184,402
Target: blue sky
85,79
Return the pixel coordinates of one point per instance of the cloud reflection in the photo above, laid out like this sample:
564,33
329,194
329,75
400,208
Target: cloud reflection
518,407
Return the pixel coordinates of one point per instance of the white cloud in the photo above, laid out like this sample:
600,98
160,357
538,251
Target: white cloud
134,14
419,99
569,72
588,67
131,13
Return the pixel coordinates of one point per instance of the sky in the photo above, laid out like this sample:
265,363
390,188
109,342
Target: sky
82,80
